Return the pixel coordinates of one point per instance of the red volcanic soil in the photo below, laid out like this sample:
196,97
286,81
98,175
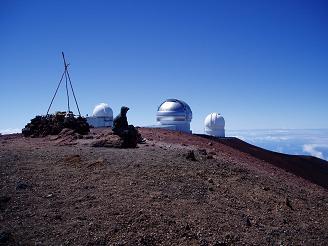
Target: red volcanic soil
307,167
176,189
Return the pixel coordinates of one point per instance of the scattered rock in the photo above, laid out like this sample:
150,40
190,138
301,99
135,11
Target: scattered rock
58,217
288,203
3,201
67,137
180,188
191,156
147,240
112,142
66,132
81,217
73,159
202,151
116,228
209,157
210,143
247,222
220,243
231,239
22,185
98,162
203,242
99,143
49,195
5,237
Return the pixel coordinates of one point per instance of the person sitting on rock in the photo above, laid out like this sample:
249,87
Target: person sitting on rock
128,133
120,123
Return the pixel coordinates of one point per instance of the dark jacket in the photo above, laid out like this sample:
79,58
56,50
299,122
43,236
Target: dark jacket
120,122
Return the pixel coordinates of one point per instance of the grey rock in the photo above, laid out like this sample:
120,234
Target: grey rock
191,156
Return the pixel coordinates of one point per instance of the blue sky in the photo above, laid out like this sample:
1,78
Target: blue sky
261,64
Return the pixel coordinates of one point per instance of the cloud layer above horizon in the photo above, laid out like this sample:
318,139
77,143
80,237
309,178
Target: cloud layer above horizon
10,131
312,142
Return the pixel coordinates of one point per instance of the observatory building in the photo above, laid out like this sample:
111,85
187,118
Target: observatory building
214,125
102,116
174,114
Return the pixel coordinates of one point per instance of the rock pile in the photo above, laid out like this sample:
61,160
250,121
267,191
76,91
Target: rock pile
53,124
109,142
130,137
66,137
109,139
191,155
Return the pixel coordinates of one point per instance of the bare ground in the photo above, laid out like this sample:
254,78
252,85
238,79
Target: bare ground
63,191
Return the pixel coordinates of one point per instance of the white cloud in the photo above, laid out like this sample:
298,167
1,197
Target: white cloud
312,149
295,141
272,138
10,131
240,137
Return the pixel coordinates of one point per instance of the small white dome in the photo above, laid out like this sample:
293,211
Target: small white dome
214,121
214,125
102,110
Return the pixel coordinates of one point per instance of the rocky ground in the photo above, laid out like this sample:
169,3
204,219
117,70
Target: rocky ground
176,189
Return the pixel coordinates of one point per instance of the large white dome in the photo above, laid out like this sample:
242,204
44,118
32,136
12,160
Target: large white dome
102,110
214,125
174,109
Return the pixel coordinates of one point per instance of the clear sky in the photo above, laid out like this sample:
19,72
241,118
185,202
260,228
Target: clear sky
261,64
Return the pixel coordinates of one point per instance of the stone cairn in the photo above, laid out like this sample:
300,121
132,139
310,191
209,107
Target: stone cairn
53,124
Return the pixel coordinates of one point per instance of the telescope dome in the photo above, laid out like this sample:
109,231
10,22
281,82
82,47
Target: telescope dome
102,116
214,125
174,114
102,110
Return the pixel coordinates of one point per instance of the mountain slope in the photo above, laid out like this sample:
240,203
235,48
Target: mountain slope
63,191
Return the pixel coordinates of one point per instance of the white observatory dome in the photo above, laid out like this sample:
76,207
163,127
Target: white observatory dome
174,114
102,116
102,110
214,125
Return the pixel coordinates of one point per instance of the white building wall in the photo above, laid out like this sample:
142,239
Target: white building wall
215,133
100,121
